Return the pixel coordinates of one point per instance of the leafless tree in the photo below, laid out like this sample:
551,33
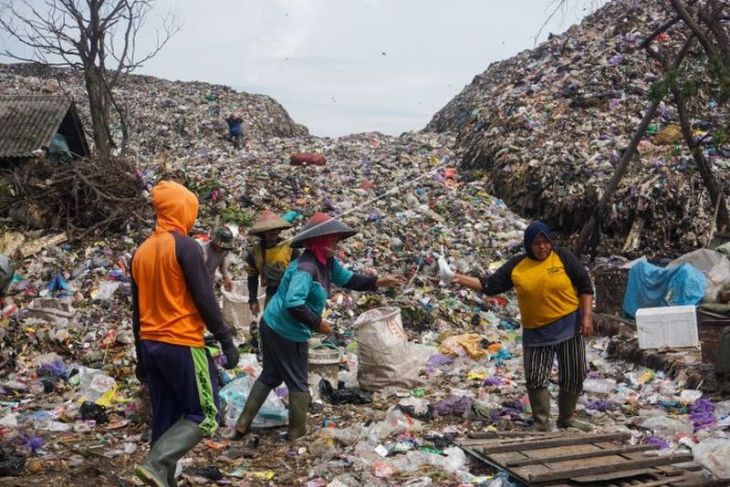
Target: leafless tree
98,37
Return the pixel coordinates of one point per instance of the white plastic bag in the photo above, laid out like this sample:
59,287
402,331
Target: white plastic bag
385,358
273,412
713,454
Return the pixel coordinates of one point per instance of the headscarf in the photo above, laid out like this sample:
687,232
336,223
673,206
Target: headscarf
531,233
319,245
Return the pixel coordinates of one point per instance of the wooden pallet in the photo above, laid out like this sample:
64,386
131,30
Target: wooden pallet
566,459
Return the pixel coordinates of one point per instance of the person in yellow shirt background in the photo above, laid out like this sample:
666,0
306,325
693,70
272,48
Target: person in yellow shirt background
555,297
266,260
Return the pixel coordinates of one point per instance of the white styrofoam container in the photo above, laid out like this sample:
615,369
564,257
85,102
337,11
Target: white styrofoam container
669,326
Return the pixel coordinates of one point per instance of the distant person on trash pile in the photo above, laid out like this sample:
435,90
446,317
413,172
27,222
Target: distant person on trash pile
294,314
266,260
215,252
172,303
555,296
7,270
235,128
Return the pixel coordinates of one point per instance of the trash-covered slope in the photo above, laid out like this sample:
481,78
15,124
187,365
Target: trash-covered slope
163,114
548,126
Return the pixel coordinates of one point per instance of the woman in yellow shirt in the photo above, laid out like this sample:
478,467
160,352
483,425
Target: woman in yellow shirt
555,297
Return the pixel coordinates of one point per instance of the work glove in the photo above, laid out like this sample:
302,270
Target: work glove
446,273
230,351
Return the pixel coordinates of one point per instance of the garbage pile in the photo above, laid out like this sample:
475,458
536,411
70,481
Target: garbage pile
548,126
72,407
162,114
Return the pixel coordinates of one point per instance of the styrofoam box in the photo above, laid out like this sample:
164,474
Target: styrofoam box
669,326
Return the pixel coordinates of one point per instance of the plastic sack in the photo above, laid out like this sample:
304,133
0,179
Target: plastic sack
713,454
273,412
385,358
717,280
713,264
235,309
307,159
649,286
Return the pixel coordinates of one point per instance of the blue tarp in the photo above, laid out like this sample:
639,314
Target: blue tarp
650,286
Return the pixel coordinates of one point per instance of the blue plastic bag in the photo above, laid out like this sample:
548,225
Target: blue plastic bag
650,286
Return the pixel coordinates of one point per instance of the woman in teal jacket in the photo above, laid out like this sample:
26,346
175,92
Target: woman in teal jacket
295,313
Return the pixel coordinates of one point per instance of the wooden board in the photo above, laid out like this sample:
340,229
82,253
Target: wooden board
565,459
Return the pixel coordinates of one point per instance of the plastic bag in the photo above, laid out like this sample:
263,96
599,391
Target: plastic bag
713,454
96,386
105,291
384,355
650,286
667,427
344,396
273,412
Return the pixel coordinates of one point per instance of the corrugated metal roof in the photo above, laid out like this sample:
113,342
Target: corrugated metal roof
28,123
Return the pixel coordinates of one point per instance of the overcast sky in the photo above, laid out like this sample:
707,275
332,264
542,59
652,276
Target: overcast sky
346,66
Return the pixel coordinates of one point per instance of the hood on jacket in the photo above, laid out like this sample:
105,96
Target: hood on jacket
176,207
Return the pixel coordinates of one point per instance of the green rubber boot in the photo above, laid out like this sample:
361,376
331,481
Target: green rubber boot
257,396
540,405
298,407
160,465
566,408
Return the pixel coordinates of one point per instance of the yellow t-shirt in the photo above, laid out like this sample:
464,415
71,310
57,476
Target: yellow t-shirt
545,292
277,260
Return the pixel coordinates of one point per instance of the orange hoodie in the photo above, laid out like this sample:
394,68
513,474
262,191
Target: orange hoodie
173,299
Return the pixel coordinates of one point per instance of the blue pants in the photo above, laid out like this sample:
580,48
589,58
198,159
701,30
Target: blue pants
182,384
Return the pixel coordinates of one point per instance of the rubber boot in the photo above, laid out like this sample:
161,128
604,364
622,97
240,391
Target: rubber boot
540,405
566,409
257,396
171,477
176,442
298,407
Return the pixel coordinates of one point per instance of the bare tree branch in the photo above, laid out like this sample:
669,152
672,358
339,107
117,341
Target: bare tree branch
87,35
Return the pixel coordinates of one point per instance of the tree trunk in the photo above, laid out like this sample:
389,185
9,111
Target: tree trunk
716,195
623,164
95,92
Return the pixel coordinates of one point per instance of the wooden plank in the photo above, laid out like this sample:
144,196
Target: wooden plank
665,481
580,456
563,441
700,481
618,476
599,469
505,458
484,435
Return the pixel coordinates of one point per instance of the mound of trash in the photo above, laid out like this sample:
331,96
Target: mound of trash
548,126
163,114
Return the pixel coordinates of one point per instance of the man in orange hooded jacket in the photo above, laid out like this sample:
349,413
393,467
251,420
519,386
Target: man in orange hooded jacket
173,302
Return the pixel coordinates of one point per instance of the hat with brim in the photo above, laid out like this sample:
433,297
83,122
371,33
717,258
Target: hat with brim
319,225
223,238
268,221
